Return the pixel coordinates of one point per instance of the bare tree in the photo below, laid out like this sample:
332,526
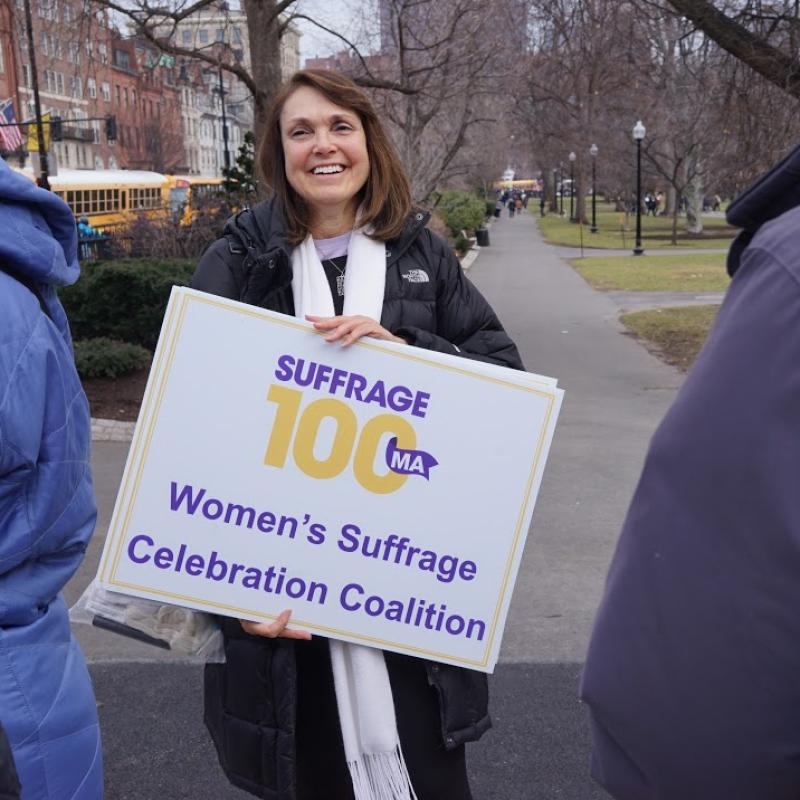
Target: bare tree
764,34
445,65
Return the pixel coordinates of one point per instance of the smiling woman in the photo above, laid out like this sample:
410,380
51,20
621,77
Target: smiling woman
338,244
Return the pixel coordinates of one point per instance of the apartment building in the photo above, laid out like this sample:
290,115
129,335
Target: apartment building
170,114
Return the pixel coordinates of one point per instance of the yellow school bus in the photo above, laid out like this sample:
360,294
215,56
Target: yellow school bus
186,191
110,198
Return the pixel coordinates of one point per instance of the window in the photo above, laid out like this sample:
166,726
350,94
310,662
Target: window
125,95
2,62
69,14
145,198
106,90
237,35
219,35
76,87
118,94
91,87
122,59
203,36
133,98
45,43
89,48
186,38
102,49
59,83
74,53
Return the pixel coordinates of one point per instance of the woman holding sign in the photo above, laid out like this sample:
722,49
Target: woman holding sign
338,244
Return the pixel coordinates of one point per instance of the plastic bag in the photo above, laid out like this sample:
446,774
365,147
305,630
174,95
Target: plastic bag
182,630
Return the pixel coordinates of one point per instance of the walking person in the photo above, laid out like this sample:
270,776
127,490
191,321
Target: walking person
512,206
339,245
47,507
542,204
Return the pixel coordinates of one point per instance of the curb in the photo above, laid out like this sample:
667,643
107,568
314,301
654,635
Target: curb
112,430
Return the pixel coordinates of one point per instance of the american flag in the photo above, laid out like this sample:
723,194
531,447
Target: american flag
10,137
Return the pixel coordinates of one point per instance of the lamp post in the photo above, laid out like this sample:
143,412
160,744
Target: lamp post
561,184
593,153
572,158
37,106
638,134
225,153
554,206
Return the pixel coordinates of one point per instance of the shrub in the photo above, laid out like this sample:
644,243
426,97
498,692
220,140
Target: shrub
108,358
462,211
490,206
123,300
462,244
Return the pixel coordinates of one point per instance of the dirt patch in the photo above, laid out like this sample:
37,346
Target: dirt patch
116,398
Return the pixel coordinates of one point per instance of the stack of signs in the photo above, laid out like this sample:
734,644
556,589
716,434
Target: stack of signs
380,491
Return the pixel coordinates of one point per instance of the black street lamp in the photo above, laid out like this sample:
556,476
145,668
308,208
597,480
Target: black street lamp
561,184
572,158
593,153
638,135
225,152
42,180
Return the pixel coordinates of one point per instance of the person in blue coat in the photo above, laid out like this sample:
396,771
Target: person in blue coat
693,670
47,506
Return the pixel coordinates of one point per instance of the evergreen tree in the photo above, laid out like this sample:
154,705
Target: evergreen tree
240,180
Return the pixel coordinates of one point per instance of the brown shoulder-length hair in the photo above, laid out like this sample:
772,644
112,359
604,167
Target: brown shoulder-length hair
386,196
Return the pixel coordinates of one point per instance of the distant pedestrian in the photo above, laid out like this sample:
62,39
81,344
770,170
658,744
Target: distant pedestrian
542,204
512,207
47,507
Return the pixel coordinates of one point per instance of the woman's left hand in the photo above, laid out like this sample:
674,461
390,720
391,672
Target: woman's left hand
347,330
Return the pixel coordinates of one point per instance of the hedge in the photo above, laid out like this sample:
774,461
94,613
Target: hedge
108,358
123,300
461,211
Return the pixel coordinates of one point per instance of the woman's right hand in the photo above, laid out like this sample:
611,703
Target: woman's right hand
274,630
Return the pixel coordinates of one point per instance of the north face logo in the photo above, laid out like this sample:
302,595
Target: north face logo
416,276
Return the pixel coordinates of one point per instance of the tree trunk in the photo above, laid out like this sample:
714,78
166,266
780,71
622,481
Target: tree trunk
264,31
694,208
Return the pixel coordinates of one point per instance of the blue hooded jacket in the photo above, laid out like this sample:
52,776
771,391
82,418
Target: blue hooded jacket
693,671
47,507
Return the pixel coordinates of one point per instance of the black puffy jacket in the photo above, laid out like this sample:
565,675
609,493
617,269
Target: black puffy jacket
250,700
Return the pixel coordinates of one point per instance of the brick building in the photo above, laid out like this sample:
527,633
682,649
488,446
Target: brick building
168,114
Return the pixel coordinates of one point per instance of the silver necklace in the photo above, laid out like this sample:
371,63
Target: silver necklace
339,277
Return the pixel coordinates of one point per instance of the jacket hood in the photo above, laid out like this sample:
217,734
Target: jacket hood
39,240
770,196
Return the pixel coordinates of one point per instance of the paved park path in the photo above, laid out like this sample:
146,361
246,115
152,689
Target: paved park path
150,703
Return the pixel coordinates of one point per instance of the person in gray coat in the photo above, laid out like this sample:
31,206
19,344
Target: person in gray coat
692,676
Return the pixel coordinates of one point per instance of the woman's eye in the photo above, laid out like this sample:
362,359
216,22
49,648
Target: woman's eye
342,126
298,132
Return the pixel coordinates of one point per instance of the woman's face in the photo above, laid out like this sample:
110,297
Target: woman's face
325,152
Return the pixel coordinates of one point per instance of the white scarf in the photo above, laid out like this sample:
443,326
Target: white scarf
363,692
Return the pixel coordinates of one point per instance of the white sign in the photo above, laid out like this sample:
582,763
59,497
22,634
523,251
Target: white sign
380,491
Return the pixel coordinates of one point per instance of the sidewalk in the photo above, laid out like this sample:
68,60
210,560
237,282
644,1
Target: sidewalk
151,702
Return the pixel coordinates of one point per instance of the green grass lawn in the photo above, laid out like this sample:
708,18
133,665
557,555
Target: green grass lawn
673,334
617,232
704,272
